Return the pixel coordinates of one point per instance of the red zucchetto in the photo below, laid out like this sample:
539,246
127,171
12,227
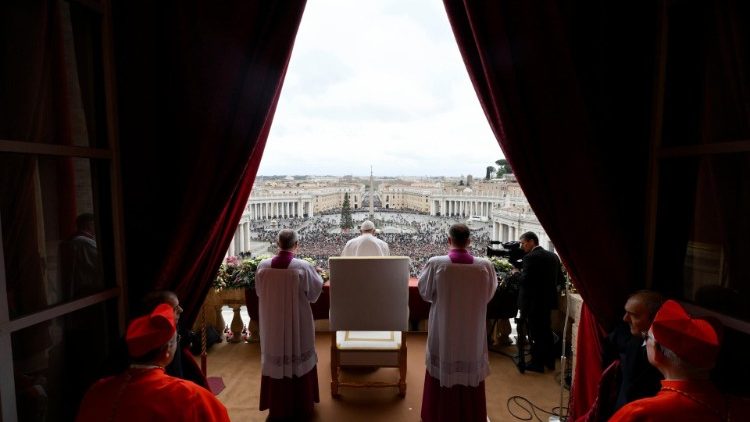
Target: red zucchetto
151,331
694,340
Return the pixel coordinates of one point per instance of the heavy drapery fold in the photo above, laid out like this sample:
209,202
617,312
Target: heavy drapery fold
198,84
566,87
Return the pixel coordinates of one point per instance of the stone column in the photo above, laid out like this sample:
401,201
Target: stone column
236,242
247,237
242,237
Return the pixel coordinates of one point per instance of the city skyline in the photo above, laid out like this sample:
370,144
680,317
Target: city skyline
365,176
382,84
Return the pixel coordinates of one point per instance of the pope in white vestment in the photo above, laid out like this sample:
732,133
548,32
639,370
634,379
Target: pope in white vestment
366,244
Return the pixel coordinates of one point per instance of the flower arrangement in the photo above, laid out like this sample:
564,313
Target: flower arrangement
502,265
236,273
240,274
508,279
323,273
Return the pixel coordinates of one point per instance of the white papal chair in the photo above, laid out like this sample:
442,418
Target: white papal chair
369,315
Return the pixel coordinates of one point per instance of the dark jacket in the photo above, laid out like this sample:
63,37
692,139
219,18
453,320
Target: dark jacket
638,378
540,277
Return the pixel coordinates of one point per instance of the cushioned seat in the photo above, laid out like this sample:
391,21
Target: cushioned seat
357,340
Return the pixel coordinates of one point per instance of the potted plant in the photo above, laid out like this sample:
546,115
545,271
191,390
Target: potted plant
236,274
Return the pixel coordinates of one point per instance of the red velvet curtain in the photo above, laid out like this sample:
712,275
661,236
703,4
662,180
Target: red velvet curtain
198,83
588,369
567,89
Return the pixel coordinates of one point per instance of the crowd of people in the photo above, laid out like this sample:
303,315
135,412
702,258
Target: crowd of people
420,237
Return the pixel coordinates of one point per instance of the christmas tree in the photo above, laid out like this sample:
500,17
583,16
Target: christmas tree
346,214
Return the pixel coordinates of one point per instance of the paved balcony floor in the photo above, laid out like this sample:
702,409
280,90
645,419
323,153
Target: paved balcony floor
508,392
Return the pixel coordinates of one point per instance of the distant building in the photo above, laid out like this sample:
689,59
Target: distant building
498,200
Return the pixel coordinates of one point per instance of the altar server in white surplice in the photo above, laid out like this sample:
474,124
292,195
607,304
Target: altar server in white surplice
289,381
458,286
366,244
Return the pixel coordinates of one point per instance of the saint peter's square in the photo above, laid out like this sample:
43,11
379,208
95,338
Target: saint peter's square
412,214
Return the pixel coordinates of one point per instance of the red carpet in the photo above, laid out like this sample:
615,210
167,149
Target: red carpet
216,384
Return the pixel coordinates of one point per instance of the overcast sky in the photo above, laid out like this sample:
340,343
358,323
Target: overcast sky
378,83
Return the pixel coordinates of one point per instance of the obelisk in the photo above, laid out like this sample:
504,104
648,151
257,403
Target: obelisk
372,193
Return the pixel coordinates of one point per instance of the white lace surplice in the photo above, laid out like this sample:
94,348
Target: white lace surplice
287,330
456,340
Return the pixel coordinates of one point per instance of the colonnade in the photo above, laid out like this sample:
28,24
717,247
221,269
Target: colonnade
241,240
261,209
508,225
462,207
505,232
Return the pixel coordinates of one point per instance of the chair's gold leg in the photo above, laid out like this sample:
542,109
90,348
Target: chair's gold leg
402,367
334,367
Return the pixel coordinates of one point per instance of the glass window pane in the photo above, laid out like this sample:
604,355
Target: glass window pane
55,361
702,241
57,90
56,226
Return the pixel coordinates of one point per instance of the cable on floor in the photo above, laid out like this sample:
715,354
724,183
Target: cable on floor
531,410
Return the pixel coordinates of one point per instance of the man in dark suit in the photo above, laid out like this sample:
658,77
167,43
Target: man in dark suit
537,296
637,378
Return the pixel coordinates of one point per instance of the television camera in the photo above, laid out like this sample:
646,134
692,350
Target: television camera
509,250
504,303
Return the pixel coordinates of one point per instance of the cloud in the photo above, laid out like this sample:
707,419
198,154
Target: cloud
382,84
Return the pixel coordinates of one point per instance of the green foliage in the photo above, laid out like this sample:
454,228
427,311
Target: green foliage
502,265
503,168
236,274
240,274
490,172
346,214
